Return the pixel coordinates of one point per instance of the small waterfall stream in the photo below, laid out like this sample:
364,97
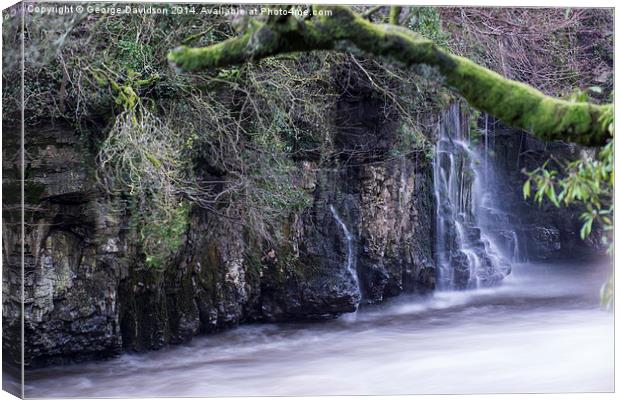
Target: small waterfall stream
350,266
467,255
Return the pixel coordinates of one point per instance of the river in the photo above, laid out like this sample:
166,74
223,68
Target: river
541,330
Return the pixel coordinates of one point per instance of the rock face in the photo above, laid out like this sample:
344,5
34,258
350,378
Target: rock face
543,232
88,293
396,230
71,241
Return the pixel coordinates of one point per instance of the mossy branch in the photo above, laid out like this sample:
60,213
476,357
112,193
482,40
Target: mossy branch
514,103
395,14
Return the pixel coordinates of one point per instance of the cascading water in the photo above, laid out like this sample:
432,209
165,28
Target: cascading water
498,223
466,254
518,255
350,265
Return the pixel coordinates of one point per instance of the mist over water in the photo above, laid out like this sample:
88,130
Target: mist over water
541,331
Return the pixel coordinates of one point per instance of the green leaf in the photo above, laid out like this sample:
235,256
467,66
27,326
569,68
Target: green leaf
527,186
552,197
586,228
607,294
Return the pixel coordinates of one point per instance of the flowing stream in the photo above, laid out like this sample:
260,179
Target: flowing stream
541,331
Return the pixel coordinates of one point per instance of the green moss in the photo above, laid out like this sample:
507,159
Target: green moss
127,97
100,78
125,94
394,14
140,83
161,236
228,52
522,106
426,21
156,163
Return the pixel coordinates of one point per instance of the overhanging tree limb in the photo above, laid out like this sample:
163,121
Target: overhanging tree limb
514,103
394,14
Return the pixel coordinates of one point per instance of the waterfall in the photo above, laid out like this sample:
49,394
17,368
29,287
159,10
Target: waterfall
350,265
516,254
467,256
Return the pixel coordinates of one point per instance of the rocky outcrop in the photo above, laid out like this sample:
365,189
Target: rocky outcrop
89,294
543,232
88,291
396,229
71,239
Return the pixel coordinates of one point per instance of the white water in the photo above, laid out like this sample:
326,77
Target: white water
350,265
467,256
541,331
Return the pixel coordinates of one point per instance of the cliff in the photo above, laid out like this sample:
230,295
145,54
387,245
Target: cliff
90,294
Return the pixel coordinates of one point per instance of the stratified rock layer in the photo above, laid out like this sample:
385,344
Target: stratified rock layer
89,294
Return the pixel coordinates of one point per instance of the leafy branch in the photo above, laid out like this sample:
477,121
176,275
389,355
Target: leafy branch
587,182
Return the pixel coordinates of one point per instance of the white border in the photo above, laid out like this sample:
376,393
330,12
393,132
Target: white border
485,3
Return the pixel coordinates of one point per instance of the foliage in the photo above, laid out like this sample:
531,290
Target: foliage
607,294
146,160
227,141
554,50
588,183
585,181
513,102
161,235
136,56
223,142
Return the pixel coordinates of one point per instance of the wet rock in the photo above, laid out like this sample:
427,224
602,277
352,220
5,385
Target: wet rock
459,263
543,242
89,293
544,232
396,218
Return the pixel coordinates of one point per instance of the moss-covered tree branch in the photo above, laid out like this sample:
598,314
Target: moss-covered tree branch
514,103
395,14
